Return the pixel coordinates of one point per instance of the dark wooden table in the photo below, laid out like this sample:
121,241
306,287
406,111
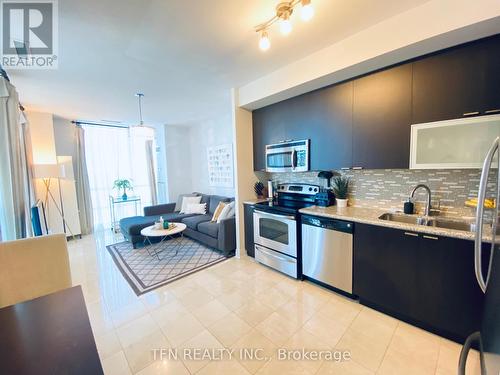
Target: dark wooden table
48,335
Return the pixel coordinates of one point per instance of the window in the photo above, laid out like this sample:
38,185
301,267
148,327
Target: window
113,153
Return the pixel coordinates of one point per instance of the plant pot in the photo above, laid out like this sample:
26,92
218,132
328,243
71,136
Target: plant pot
341,203
124,196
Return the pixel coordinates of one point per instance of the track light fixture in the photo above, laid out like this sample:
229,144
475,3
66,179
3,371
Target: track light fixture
283,12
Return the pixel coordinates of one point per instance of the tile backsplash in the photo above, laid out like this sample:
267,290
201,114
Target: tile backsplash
389,188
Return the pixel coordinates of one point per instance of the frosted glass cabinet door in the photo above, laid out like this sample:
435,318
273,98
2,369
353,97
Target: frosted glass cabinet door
461,143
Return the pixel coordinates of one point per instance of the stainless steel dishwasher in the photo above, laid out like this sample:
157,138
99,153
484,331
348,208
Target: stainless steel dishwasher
327,252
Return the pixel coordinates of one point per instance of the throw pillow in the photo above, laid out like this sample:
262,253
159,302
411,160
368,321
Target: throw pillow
178,204
196,208
187,201
227,212
218,211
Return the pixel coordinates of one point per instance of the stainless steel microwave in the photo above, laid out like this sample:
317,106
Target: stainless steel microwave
292,156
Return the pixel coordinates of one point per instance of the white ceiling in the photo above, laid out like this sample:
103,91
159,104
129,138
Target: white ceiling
184,55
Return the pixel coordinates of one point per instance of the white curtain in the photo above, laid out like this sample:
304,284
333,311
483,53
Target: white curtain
150,156
83,193
116,153
15,191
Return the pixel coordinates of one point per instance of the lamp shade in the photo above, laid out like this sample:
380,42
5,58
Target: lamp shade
46,171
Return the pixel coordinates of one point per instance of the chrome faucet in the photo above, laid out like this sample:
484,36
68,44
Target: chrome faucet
428,206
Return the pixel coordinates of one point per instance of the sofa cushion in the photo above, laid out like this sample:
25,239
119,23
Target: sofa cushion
176,217
178,204
134,225
214,202
209,228
192,222
205,198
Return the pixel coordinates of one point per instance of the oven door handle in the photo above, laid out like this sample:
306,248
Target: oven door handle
276,215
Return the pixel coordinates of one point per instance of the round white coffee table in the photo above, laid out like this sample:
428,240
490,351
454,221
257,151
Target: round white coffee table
151,232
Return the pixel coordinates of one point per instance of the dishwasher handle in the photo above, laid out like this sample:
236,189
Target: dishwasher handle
331,224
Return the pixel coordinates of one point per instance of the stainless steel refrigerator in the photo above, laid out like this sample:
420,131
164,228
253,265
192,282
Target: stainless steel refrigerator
488,338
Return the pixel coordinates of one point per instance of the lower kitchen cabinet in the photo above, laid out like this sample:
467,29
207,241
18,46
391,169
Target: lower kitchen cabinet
426,280
384,268
248,219
449,296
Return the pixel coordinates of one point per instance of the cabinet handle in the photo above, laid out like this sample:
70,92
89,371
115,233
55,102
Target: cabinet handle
431,237
345,168
357,168
411,234
471,113
493,111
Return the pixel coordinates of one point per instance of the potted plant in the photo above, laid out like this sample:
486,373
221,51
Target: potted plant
123,184
340,189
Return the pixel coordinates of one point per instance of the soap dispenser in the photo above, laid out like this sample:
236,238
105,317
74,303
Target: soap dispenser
408,207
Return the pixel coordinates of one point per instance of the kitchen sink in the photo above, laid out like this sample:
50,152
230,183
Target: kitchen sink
452,224
407,219
430,222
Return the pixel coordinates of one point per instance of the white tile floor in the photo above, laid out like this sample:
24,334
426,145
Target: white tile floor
240,304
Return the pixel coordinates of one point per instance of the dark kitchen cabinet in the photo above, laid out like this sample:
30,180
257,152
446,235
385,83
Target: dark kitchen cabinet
449,296
491,49
382,119
426,280
366,122
458,82
248,221
323,116
268,128
384,268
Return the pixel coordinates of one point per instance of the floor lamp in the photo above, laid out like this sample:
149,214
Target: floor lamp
47,172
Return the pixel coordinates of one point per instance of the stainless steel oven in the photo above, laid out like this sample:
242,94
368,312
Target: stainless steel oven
292,156
276,231
275,237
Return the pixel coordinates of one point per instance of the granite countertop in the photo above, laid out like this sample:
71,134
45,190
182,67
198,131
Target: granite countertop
254,201
371,216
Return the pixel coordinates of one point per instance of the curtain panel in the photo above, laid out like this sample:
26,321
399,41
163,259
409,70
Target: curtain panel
150,158
15,192
83,194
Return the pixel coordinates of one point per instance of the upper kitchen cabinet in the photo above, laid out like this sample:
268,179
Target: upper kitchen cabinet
268,127
323,116
491,49
382,119
460,82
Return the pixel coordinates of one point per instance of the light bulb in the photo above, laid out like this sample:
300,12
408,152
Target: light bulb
285,26
307,11
264,42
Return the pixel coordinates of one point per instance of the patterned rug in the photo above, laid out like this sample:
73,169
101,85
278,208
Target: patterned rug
144,272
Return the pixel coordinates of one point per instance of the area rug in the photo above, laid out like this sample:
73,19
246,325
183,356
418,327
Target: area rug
144,272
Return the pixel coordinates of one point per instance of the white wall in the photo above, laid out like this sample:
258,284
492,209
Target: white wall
178,164
213,132
186,154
